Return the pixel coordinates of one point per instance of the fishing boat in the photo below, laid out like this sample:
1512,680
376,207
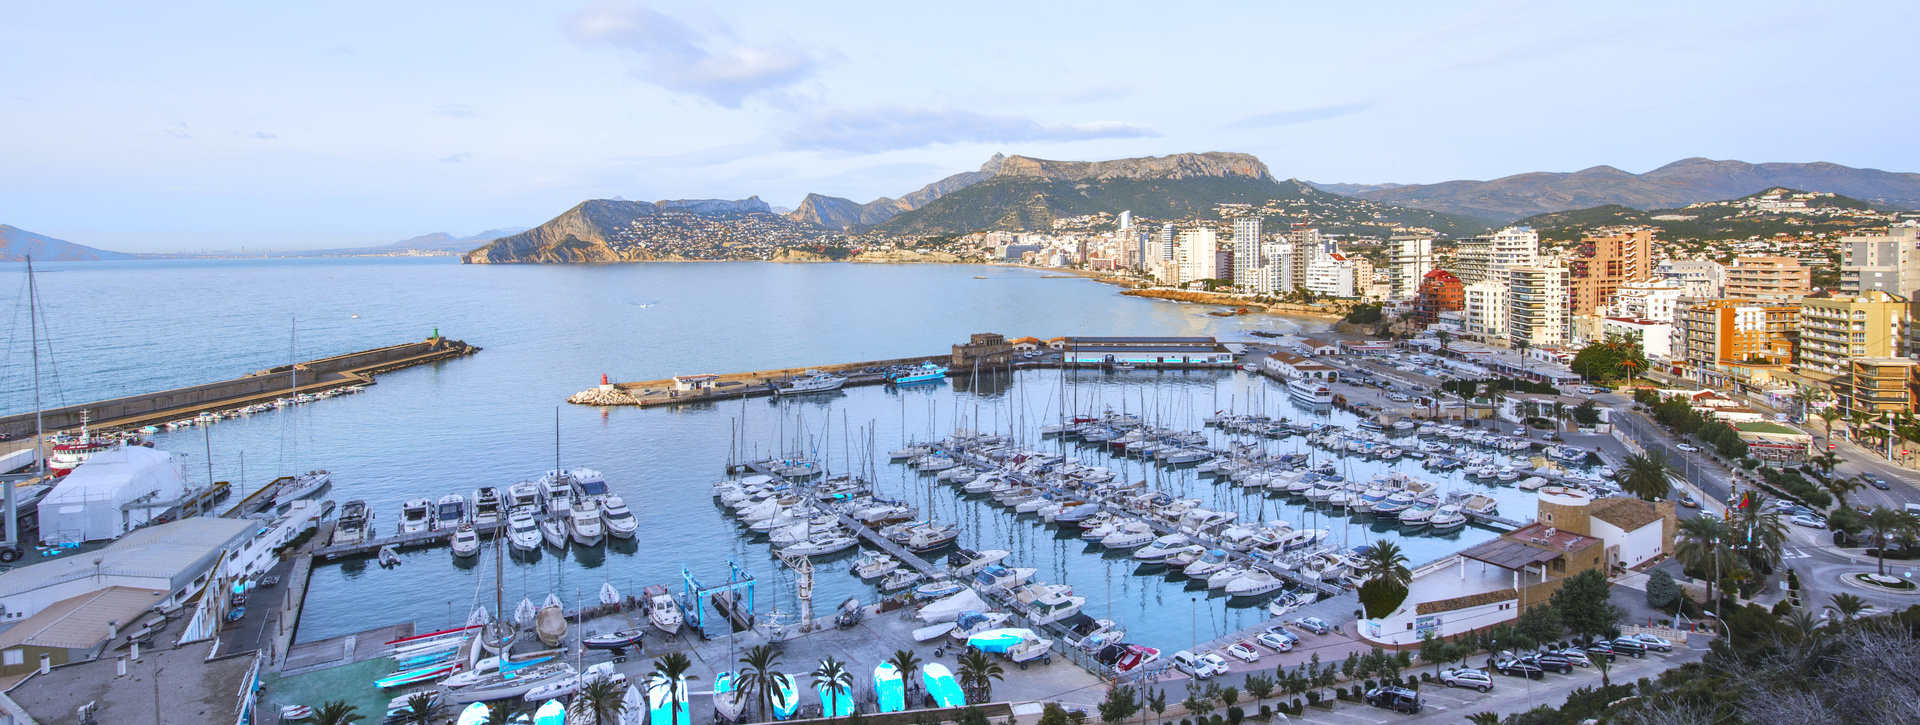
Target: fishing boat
465,541
662,611
522,531
925,373
416,516
727,702
585,523
812,381
549,623
450,512
889,690
620,522
901,578
941,686
1309,391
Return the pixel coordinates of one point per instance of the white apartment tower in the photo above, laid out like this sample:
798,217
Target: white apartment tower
1537,306
1410,258
1200,252
1888,262
1248,262
1479,259
1485,310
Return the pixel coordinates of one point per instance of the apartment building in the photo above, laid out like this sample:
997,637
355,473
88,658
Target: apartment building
1768,278
1537,306
1836,328
1713,337
1887,261
1877,385
1409,259
1601,264
1478,259
1199,255
1440,291
1701,278
1332,276
1248,260
1484,308
1649,300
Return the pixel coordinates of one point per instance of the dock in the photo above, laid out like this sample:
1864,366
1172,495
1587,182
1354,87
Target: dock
258,387
734,386
400,541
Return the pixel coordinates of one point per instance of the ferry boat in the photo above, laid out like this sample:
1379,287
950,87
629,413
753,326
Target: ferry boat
813,381
926,373
1310,391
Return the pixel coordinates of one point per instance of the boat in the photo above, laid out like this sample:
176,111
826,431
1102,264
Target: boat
1254,583
937,589
1212,561
523,495
354,524
388,557
553,530
475,714
1286,603
508,686
1048,603
1308,391
940,685
522,531
1161,548
465,541
450,513
871,565
562,687
662,611
71,451
812,381
305,485
1131,535
1447,518
551,712
1220,579
835,700
821,545
901,578
727,702
620,522
549,623
616,640
585,523
889,690
667,701
407,677
931,538
487,506
925,373
416,516
785,697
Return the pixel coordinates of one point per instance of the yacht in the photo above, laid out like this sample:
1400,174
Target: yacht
553,529
1312,392
873,565
1208,563
1419,514
450,513
355,524
821,545
465,542
620,521
812,381
1131,535
1447,518
523,495
585,523
522,531
967,561
1220,579
1161,548
662,611
1253,584
1048,603
305,485
486,506
416,516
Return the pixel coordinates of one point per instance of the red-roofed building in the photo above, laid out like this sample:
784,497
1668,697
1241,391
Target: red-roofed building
1440,291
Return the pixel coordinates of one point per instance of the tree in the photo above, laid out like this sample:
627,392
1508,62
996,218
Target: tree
1839,486
1605,666
1647,475
907,662
1484,718
1158,703
833,678
1847,606
423,707
669,670
504,713
1053,714
1586,413
758,676
1198,701
603,699
1827,460
335,712
1541,624
1259,686
1386,573
1433,650
1827,416
1884,523
1759,531
977,673
1702,548
1663,593
1443,336
1119,705
1582,603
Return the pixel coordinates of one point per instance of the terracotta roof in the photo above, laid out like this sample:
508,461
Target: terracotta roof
1471,600
1019,340
1629,514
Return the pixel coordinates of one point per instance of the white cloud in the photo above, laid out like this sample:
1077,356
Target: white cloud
886,128
675,56
455,110
1300,115
260,135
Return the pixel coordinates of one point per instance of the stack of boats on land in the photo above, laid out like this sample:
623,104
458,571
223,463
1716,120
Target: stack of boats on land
562,508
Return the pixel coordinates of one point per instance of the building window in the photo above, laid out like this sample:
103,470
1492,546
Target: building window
13,658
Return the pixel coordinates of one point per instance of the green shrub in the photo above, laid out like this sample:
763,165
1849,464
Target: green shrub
1266,712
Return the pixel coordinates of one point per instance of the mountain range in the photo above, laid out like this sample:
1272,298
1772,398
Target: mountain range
1755,215
18,244
586,232
1683,182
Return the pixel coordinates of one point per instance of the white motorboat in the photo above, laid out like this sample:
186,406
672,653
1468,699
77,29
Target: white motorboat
821,545
450,513
1254,583
487,506
663,612
1131,535
901,578
522,531
1447,518
416,516
932,537
305,485
619,521
465,541
354,525
1161,548
812,381
1419,514
965,562
553,529
1185,555
525,494
1212,561
873,565
585,523
1048,603
1220,579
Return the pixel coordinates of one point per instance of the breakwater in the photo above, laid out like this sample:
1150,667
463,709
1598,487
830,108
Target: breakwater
261,386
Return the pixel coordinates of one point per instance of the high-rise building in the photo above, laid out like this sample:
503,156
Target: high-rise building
1695,277
1247,258
1485,306
1836,327
1167,241
1478,258
1126,219
1602,264
1537,306
1440,291
1650,300
1714,337
1778,279
1409,259
1201,250
1887,262
1331,275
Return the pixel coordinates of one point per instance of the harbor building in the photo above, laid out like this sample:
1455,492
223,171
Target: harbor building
1295,367
1779,279
1836,328
1146,350
1633,532
174,558
984,348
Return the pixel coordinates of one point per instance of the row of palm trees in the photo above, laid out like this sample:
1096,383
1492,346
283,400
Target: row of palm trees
1749,540
760,676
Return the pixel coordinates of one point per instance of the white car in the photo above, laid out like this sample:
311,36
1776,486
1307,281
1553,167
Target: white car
1243,651
1201,667
1275,642
1315,625
1688,447
1398,397
1654,642
1463,677
1809,521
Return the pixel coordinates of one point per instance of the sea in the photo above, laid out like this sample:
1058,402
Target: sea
548,331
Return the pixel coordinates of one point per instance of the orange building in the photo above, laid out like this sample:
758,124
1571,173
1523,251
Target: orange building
1768,278
1602,264
1440,291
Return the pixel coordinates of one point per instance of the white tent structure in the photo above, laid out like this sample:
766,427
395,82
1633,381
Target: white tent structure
112,493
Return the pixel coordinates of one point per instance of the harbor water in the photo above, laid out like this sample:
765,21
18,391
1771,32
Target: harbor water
549,331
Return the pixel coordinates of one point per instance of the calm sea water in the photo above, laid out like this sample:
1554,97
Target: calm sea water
549,331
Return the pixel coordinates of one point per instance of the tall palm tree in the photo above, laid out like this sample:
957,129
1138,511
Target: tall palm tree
1387,562
335,712
1885,523
1629,365
907,662
1702,546
837,681
757,674
1443,336
1857,423
668,671
1484,718
1647,475
1828,415
423,707
1759,532
977,673
1839,486
604,699
1827,461
1847,606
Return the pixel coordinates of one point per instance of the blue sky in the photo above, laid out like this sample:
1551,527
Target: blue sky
164,126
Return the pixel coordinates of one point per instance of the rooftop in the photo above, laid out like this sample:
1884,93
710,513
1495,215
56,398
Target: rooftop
155,552
1629,514
197,690
83,621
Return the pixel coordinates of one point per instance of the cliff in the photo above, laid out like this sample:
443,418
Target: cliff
832,212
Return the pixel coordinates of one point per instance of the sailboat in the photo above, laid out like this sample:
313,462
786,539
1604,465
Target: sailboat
309,484
500,632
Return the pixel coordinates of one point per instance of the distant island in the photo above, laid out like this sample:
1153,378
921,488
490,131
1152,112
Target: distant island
19,244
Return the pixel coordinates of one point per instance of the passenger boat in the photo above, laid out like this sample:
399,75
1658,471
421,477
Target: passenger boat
813,381
926,373
1308,391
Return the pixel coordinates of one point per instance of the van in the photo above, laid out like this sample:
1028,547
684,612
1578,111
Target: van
1200,668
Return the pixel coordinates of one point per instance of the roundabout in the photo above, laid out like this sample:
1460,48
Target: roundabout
1881,582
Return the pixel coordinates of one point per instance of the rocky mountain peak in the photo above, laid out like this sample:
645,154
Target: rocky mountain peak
1176,166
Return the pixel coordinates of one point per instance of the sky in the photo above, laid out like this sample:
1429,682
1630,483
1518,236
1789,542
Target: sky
189,126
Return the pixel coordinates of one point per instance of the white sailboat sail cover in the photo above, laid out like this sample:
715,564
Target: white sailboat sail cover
92,503
949,609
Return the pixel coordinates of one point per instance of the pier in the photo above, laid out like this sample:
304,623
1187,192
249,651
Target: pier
401,541
733,386
261,386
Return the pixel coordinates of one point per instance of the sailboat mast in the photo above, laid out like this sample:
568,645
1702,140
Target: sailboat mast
39,430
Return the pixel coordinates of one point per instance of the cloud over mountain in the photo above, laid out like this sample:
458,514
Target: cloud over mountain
675,56
890,127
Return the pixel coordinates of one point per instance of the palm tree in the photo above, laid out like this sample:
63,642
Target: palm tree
1885,523
977,673
668,671
757,675
1759,531
1386,562
1828,415
835,679
1839,486
1803,623
1629,365
1702,547
1847,606
335,712
502,713
1484,718
907,662
1605,666
1647,475
1443,336
1827,461
423,707
603,699
1856,423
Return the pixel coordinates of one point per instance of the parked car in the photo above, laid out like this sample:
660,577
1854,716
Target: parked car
1463,677
1275,642
1550,661
1397,699
1629,646
1600,649
1810,521
1688,447
1315,625
1200,667
1576,656
1687,500
1653,642
1243,651
1517,667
